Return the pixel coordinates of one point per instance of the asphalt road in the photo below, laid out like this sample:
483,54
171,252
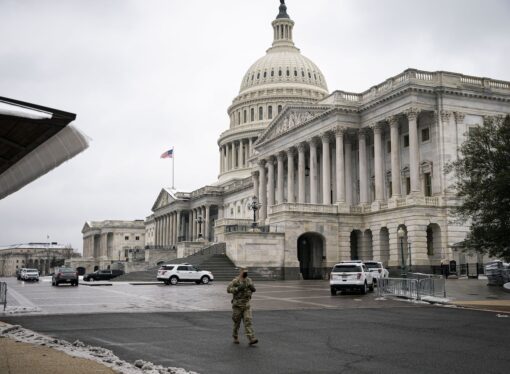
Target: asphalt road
371,340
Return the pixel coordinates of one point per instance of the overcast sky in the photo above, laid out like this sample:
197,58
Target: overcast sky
147,75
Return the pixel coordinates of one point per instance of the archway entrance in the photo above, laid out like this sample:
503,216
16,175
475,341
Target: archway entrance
310,252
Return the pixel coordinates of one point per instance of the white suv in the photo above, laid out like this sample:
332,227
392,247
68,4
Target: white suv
175,273
29,274
350,276
377,270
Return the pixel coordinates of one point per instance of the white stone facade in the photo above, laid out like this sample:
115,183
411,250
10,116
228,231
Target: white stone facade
336,175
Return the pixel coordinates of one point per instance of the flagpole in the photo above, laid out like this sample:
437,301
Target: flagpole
173,167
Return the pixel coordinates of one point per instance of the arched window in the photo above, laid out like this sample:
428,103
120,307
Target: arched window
309,75
430,241
252,76
280,72
288,73
265,74
295,72
252,114
270,112
279,109
261,113
244,116
272,73
303,73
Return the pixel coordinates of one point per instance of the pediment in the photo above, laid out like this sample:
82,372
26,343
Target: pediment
290,119
165,197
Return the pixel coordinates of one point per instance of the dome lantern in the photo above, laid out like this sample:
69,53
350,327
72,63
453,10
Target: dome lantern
282,27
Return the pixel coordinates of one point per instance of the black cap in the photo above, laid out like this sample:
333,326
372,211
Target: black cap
283,10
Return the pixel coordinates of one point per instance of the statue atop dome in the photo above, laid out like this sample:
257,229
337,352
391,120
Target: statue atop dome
283,10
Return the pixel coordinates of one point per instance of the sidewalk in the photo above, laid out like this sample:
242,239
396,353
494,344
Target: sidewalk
475,294
22,358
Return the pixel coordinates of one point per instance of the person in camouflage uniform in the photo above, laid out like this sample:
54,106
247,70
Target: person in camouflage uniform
242,288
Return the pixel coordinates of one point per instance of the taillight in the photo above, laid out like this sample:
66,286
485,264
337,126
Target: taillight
359,275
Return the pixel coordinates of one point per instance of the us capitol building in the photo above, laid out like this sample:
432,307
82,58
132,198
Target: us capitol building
336,176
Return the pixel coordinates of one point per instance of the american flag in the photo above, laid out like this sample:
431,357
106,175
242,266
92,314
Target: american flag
168,154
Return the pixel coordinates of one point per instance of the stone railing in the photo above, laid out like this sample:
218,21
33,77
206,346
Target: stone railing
207,190
240,129
443,78
303,208
232,221
238,185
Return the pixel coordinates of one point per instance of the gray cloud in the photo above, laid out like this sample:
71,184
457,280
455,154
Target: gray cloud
145,75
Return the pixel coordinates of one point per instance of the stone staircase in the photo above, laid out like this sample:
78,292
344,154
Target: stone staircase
212,258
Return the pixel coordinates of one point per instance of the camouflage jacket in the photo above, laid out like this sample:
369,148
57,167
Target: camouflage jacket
241,291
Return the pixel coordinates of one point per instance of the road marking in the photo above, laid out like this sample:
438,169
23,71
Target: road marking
294,301
22,300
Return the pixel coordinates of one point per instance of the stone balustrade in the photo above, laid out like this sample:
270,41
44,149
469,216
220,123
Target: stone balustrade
232,221
303,208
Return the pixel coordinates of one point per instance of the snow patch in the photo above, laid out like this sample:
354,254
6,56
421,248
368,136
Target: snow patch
81,350
435,300
19,310
502,315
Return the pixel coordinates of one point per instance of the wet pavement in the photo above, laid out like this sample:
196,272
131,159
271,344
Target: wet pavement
42,298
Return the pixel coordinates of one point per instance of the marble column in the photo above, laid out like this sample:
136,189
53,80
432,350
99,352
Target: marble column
190,227
414,150
290,175
206,223
178,226
241,154
313,171
378,164
163,230
301,173
193,225
280,194
363,176
270,181
250,147
221,160
340,164
395,156
255,179
225,158
263,188
326,170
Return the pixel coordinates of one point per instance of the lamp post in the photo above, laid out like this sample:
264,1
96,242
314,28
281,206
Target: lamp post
254,205
401,233
410,258
199,220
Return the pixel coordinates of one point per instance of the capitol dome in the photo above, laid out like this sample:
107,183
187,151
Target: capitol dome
283,62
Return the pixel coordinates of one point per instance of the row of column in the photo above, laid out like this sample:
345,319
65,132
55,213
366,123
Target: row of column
234,155
271,192
169,227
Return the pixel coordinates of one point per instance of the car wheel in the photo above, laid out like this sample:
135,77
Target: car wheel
371,287
364,289
205,279
174,280
333,291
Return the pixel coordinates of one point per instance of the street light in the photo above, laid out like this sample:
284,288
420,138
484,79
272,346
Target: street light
401,233
199,220
254,205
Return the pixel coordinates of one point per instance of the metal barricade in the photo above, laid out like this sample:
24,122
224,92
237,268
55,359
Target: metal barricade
411,288
3,294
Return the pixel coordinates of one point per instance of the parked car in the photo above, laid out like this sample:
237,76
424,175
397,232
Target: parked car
351,276
18,273
377,270
64,275
102,275
175,273
29,275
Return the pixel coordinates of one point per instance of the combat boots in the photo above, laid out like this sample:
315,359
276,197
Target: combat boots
253,341
236,340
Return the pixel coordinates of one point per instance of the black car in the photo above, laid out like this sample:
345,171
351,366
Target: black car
102,275
64,275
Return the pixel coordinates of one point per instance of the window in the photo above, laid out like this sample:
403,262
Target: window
471,130
390,189
272,73
309,75
428,184
126,237
295,72
232,211
388,146
288,73
261,113
425,134
238,209
182,268
252,114
265,74
270,112
258,75
244,116
279,109
280,72
137,238
408,185
406,141
303,73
